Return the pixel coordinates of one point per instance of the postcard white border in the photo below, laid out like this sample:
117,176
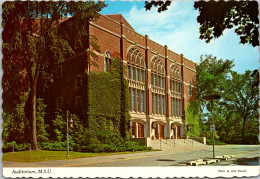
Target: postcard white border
134,172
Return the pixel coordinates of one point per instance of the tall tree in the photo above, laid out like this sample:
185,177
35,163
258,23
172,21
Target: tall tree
210,75
243,96
216,16
32,43
236,112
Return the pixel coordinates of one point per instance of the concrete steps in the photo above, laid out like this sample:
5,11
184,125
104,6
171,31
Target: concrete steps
171,144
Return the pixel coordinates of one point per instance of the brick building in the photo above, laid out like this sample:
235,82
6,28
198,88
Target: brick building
161,81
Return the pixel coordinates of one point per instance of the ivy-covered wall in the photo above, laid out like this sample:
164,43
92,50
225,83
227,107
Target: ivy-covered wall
192,119
108,100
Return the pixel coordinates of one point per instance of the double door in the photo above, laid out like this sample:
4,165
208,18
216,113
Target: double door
137,130
178,132
159,131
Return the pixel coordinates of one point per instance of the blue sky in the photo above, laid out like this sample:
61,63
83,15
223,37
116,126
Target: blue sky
178,29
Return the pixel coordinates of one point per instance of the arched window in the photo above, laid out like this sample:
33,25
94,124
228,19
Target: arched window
136,79
189,89
158,86
176,89
159,131
78,81
78,101
108,61
58,72
59,103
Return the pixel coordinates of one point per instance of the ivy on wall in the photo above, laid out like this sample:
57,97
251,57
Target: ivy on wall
108,100
192,118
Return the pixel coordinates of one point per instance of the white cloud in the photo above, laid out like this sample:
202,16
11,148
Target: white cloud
144,21
178,29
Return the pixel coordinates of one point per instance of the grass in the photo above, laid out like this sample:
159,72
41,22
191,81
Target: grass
44,155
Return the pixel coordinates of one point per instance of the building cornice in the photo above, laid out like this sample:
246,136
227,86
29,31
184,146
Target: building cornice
190,69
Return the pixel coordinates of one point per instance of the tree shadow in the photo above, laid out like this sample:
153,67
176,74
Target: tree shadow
247,161
165,160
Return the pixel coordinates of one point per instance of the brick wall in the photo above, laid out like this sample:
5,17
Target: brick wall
118,37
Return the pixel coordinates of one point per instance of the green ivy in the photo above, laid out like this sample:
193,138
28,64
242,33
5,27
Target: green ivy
42,135
108,101
192,118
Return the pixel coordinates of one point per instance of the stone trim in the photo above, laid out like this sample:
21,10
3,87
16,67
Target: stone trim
109,18
108,31
190,68
189,84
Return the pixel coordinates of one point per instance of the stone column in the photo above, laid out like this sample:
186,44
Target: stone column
168,128
182,132
167,111
136,131
145,130
147,90
175,136
158,131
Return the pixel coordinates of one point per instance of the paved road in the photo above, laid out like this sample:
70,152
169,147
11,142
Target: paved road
244,155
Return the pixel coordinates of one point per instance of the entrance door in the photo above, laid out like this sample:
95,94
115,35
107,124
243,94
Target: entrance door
156,132
133,129
140,130
178,132
161,131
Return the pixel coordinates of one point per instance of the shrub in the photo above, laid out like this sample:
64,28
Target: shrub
55,146
125,145
210,142
8,147
77,148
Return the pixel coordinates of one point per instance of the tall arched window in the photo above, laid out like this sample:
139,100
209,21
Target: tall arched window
108,61
176,89
158,86
136,79
189,89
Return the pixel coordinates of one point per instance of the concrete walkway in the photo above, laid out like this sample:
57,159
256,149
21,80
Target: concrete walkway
103,159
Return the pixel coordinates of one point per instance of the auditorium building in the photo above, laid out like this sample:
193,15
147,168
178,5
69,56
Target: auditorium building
161,82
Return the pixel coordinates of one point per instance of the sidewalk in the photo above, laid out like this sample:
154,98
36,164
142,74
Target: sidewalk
101,159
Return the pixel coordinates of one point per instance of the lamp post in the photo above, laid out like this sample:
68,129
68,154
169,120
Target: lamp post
212,98
71,125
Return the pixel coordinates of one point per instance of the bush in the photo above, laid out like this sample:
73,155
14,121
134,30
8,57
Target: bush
55,146
125,145
8,147
77,148
210,142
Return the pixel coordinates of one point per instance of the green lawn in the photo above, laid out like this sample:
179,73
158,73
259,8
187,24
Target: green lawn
44,155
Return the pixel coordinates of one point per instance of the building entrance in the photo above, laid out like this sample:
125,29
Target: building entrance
137,130
159,131
178,132
140,130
